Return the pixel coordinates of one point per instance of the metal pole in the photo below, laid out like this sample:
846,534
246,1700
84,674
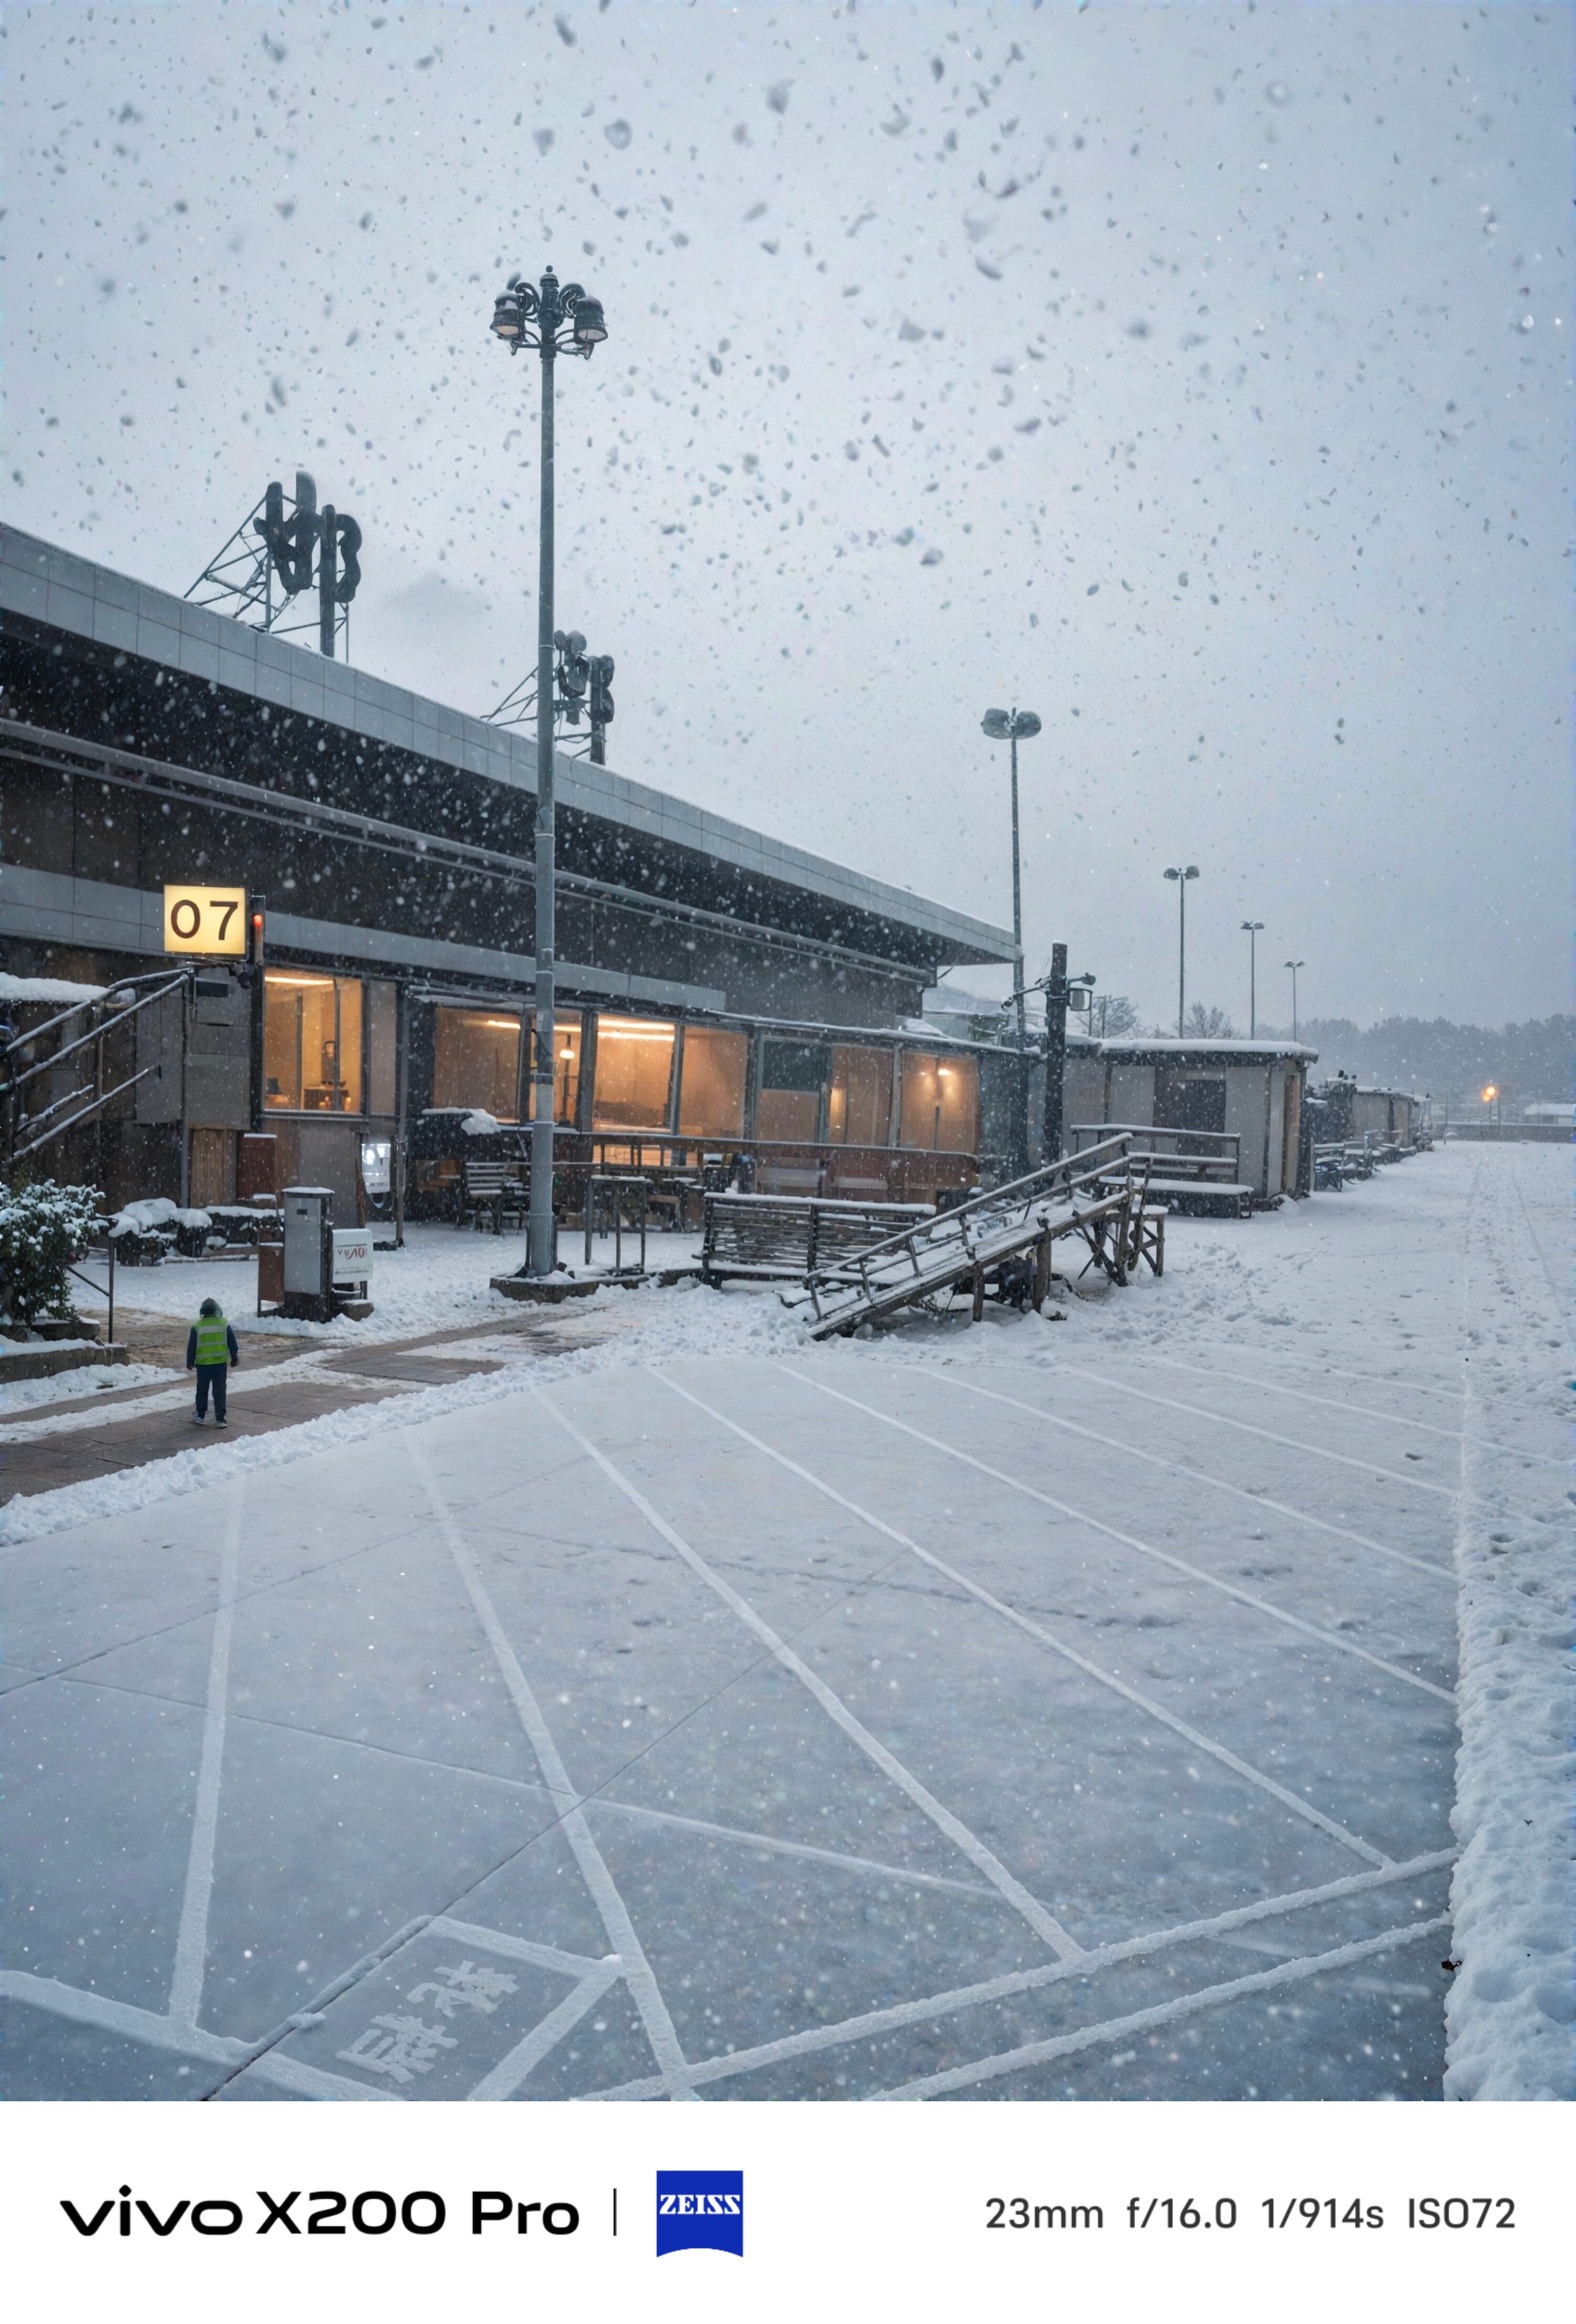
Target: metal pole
1055,1051
402,1111
326,561
1293,1004
109,1328
1022,1123
1180,952
541,1257
1252,1003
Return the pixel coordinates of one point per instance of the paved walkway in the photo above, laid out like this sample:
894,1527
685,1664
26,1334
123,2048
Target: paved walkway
281,1382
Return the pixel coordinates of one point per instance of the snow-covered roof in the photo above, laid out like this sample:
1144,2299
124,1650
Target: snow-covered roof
1161,1045
53,584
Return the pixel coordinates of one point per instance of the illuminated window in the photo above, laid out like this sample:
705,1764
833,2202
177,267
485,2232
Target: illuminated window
634,1072
941,1102
476,1061
311,1042
861,1110
567,1046
711,1101
381,1047
787,1108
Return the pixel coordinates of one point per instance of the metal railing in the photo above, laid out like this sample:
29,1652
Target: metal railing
955,1238
18,1124
600,1184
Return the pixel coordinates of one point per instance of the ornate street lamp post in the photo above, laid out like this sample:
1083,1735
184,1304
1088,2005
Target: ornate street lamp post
556,318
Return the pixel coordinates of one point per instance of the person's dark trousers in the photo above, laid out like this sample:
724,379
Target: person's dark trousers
216,1374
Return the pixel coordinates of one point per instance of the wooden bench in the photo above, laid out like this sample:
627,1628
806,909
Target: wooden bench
786,1238
491,1187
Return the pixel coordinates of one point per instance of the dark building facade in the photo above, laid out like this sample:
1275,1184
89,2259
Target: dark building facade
716,988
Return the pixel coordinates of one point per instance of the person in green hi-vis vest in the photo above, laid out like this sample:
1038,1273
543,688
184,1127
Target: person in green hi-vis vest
210,1351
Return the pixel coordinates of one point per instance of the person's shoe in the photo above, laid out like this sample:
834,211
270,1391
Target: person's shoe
197,1420
220,1422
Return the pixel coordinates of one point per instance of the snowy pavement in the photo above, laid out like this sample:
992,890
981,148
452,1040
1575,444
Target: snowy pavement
1046,1709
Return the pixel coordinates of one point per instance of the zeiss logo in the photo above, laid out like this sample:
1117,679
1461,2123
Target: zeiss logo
700,2210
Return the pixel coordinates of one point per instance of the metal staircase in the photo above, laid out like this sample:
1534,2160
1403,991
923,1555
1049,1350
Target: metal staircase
1098,1197
86,1026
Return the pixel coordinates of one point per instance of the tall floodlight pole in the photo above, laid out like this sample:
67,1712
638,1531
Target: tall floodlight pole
1182,873
1294,966
554,317
1255,929
1007,727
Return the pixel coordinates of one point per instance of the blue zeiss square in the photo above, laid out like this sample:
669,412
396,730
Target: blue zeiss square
700,2210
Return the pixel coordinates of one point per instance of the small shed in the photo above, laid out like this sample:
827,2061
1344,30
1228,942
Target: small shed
1390,1117
1250,1091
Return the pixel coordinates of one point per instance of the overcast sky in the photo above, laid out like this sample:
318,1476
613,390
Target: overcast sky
1194,376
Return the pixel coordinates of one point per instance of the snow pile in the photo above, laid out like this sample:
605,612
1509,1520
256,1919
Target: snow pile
1512,2007
48,988
19,1397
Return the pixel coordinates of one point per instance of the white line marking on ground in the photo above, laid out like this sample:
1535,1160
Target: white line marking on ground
1166,2013
1246,1428
936,2005
1342,1372
1220,1484
1046,1639
661,2030
511,2069
1043,1923
868,1866
187,2041
521,1949
192,1939
1362,1411
1144,1549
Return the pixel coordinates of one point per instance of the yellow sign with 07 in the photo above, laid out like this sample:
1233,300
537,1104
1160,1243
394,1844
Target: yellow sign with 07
209,920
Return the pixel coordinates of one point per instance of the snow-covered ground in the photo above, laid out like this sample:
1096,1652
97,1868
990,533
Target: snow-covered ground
1046,1709
28,1396
439,1280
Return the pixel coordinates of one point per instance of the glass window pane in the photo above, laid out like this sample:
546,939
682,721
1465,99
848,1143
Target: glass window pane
568,1038
941,1102
711,1102
284,1034
634,1067
476,1061
791,1115
343,1085
793,1065
382,1069
861,1110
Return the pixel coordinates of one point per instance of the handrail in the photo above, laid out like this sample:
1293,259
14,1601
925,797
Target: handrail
122,985
926,1240
61,1128
953,1240
1015,1190
1222,1137
95,1033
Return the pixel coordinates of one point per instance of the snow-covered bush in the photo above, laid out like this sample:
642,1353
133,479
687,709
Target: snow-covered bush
43,1229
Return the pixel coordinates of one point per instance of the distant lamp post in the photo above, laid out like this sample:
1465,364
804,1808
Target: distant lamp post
1255,929
1489,1097
1010,726
1182,873
1294,966
554,318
